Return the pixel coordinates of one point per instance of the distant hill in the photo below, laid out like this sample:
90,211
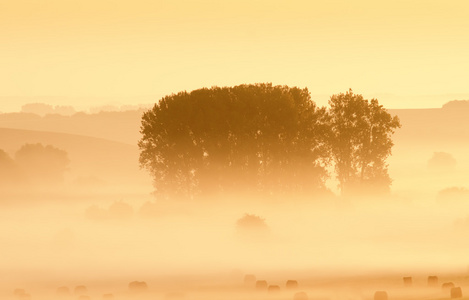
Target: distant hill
117,126
423,126
111,161
425,132
449,124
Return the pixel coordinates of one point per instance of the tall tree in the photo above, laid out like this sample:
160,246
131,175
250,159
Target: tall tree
360,141
261,138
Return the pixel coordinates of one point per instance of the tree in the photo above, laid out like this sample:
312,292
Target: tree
44,164
253,138
252,227
442,161
360,141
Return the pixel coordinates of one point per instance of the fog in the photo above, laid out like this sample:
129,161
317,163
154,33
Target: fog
53,242
95,228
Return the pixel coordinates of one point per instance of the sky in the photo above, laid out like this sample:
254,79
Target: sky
407,54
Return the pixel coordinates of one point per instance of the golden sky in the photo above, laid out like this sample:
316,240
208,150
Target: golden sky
405,53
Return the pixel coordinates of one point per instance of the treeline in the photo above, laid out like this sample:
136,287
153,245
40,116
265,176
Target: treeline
265,139
33,164
43,109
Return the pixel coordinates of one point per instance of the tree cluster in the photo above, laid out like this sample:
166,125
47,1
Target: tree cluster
264,139
33,163
43,109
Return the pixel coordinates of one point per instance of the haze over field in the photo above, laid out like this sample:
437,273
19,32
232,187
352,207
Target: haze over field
173,149
104,206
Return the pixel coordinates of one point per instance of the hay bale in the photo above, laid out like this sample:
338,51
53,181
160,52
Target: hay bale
432,281
273,289
108,297
407,281
300,296
381,295
447,286
63,291
456,292
249,280
138,286
261,285
291,284
80,290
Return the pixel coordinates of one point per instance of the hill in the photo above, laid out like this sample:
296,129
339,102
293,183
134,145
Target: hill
448,124
425,132
117,126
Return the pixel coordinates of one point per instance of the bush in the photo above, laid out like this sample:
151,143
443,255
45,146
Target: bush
456,195
441,161
252,226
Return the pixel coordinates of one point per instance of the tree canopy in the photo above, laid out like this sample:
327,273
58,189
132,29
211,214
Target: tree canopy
264,139
258,138
360,141
43,164
33,164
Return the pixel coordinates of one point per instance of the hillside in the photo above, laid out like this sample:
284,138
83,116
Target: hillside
117,126
425,132
448,124
433,126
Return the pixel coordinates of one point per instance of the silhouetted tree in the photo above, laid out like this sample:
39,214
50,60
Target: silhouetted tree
360,141
44,164
249,137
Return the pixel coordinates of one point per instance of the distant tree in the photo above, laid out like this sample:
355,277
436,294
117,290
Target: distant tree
44,164
250,221
453,195
442,161
244,138
37,108
252,226
43,109
360,141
